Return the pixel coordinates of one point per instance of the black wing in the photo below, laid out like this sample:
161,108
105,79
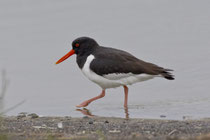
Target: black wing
110,60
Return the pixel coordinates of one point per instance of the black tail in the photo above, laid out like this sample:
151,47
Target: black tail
166,73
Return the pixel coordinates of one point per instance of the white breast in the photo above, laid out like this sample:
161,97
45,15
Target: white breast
112,80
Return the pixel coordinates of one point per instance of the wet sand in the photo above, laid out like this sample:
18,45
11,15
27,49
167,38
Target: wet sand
34,127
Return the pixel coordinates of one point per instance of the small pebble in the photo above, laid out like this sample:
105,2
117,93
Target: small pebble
19,116
85,117
22,115
148,132
163,116
68,117
60,125
90,122
33,115
186,117
114,131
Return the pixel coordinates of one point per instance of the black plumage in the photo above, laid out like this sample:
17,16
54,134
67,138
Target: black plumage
110,60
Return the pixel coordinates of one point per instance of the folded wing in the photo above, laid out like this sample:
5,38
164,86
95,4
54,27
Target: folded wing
123,63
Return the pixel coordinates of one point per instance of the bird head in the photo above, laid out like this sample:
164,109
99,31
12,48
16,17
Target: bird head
80,46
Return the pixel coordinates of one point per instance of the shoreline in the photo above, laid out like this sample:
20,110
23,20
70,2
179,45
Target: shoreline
32,126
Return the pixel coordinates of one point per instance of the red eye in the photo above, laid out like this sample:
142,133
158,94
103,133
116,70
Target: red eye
77,44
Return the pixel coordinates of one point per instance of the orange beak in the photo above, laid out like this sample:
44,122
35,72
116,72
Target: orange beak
66,56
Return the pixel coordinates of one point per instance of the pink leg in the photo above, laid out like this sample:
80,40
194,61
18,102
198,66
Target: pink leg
87,102
126,96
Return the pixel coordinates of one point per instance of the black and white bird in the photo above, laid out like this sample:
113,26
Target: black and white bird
111,68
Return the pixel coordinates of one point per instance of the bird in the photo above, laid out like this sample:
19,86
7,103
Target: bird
110,68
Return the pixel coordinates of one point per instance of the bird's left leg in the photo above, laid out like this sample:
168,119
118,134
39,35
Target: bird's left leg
126,96
87,102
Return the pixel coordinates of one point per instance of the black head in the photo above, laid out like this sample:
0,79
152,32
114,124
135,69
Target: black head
83,45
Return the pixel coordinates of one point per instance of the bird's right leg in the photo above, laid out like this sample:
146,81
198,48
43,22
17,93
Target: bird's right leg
87,102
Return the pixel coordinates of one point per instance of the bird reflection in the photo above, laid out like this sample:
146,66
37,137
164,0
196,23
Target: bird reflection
85,112
126,112
88,113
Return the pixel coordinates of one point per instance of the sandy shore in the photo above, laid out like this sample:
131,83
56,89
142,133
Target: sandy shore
32,127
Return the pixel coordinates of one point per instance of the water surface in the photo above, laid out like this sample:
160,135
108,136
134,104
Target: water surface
172,34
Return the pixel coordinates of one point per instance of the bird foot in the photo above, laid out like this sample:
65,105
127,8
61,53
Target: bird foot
84,104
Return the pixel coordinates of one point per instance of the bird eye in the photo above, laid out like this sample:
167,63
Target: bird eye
77,45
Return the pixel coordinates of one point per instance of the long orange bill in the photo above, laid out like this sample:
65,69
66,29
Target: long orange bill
66,56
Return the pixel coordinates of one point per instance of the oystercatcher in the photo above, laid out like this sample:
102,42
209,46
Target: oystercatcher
111,68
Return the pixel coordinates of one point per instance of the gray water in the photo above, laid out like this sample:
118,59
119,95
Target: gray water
172,34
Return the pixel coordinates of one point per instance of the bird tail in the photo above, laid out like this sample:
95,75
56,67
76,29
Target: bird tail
167,74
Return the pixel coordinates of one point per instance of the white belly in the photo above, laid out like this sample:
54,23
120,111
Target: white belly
112,80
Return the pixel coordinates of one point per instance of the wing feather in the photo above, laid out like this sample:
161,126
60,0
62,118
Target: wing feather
110,60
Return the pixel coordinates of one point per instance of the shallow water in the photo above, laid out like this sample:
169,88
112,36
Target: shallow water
172,34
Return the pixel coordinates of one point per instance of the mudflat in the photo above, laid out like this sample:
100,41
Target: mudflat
33,127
